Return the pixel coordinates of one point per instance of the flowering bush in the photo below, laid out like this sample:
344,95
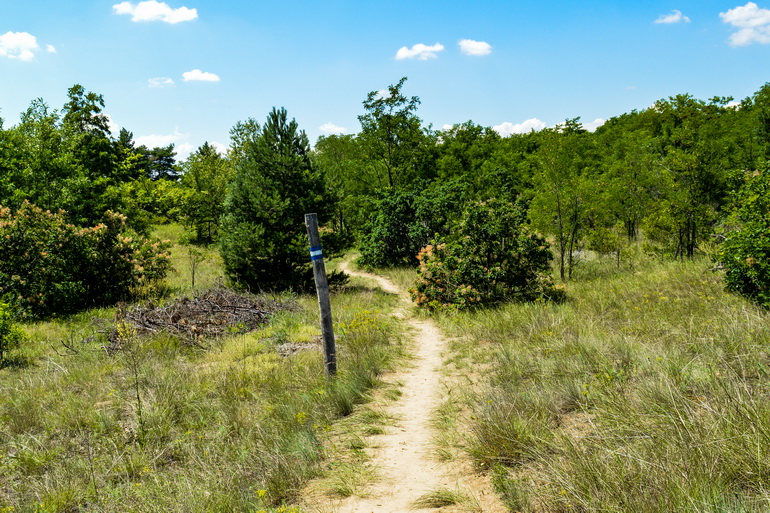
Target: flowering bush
48,266
494,257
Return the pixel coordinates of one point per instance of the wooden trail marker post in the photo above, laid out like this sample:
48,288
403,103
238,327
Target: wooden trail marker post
322,287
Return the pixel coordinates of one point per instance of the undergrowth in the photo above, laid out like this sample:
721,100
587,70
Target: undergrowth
165,426
646,391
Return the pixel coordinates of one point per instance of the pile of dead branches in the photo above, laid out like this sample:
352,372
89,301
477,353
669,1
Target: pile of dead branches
214,313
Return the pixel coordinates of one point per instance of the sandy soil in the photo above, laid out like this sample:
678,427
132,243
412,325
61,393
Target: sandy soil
402,457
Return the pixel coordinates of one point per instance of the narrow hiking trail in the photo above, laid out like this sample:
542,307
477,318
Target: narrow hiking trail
403,458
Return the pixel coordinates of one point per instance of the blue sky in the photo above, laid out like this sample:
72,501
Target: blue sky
185,71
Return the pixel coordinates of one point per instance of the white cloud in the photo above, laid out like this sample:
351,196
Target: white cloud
507,128
221,148
152,10
197,75
156,140
112,125
419,51
331,128
50,48
752,22
475,48
593,125
446,126
674,16
160,82
181,142
18,45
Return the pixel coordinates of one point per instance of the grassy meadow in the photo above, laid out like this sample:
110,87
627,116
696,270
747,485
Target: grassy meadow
646,391
161,425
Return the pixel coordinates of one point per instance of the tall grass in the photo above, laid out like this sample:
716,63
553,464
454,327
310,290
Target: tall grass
161,426
645,391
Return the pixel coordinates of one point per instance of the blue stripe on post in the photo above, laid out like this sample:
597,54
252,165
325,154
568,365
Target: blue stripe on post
316,253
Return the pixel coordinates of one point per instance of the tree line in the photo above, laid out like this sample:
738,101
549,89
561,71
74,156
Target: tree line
675,177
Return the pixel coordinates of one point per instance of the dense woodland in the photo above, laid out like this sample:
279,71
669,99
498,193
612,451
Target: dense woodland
679,177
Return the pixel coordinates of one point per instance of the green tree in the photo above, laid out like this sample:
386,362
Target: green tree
403,222
392,135
96,169
563,191
37,163
158,163
205,176
690,139
745,252
350,174
263,240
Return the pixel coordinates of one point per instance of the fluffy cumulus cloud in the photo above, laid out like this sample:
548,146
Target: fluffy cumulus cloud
151,10
673,17
160,82
419,51
331,128
506,129
475,48
197,75
18,45
50,48
593,125
752,22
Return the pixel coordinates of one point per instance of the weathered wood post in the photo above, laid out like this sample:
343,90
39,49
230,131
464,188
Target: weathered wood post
322,287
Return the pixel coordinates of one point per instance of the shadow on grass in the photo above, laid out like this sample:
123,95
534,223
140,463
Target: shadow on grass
15,362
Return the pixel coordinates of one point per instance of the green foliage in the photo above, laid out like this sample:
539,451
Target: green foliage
745,252
392,135
263,240
48,266
402,223
493,257
564,188
238,428
204,181
342,160
11,335
604,403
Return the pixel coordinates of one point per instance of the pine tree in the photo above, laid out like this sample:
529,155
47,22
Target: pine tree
263,238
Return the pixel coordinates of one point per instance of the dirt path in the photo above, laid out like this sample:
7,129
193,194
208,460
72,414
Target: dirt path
402,457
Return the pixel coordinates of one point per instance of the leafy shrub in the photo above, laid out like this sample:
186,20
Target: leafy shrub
494,257
10,334
48,266
745,252
404,222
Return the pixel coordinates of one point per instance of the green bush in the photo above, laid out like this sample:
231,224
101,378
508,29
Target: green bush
403,222
494,257
48,266
10,334
745,252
